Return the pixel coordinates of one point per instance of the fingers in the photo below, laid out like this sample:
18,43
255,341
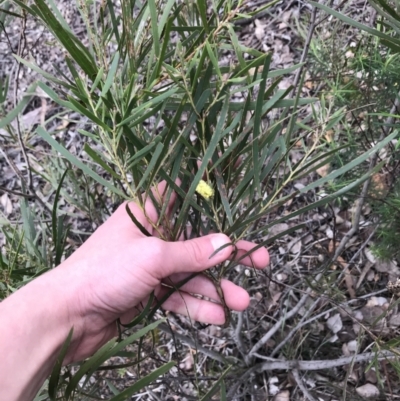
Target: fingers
205,311
201,310
258,259
197,309
192,255
201,285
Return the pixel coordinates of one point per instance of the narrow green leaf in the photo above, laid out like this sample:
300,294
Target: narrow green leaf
153,161
97,80
258,123
8,12
43,73
213,390
97,158
114,22
54,221
263,8
152,102
25,7
111,75
102,355
213,58
76,162
280,103
13,114
154,26
138,156
55,374
143,382
137,222
143,314
202,7
78,53
349,166
356,24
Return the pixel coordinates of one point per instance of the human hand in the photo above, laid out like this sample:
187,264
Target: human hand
113,273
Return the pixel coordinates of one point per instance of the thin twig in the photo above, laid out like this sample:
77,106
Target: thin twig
20,51
341,306
278,324
303,388
294,330
278,364
17,193
23,180
247,21
305,52
192,343
238,335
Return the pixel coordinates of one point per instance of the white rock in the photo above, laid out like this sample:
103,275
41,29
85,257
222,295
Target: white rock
334,323
368,391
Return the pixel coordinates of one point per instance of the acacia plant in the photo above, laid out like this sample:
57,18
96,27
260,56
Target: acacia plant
162,105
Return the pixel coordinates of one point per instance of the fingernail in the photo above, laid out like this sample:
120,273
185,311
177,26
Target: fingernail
218,241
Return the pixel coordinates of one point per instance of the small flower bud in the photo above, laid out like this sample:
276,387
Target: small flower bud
205,190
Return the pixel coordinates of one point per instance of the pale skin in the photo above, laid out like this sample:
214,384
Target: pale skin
107,279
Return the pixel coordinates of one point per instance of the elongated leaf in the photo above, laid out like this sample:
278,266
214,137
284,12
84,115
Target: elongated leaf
154,26
57,241
102,355
202,7
13,114
137,223
48,76
76,162
153,161
356,24
55,375
258,123
111,75
97,158
213,390
150,378
25,7
351,165
150,103
213,58
237,106
78,53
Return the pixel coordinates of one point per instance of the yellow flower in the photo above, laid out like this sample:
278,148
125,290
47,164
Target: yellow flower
205,190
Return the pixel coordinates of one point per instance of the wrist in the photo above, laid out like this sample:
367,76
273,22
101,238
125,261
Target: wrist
36,324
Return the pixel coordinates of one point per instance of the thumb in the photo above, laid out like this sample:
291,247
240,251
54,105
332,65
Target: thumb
194,255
